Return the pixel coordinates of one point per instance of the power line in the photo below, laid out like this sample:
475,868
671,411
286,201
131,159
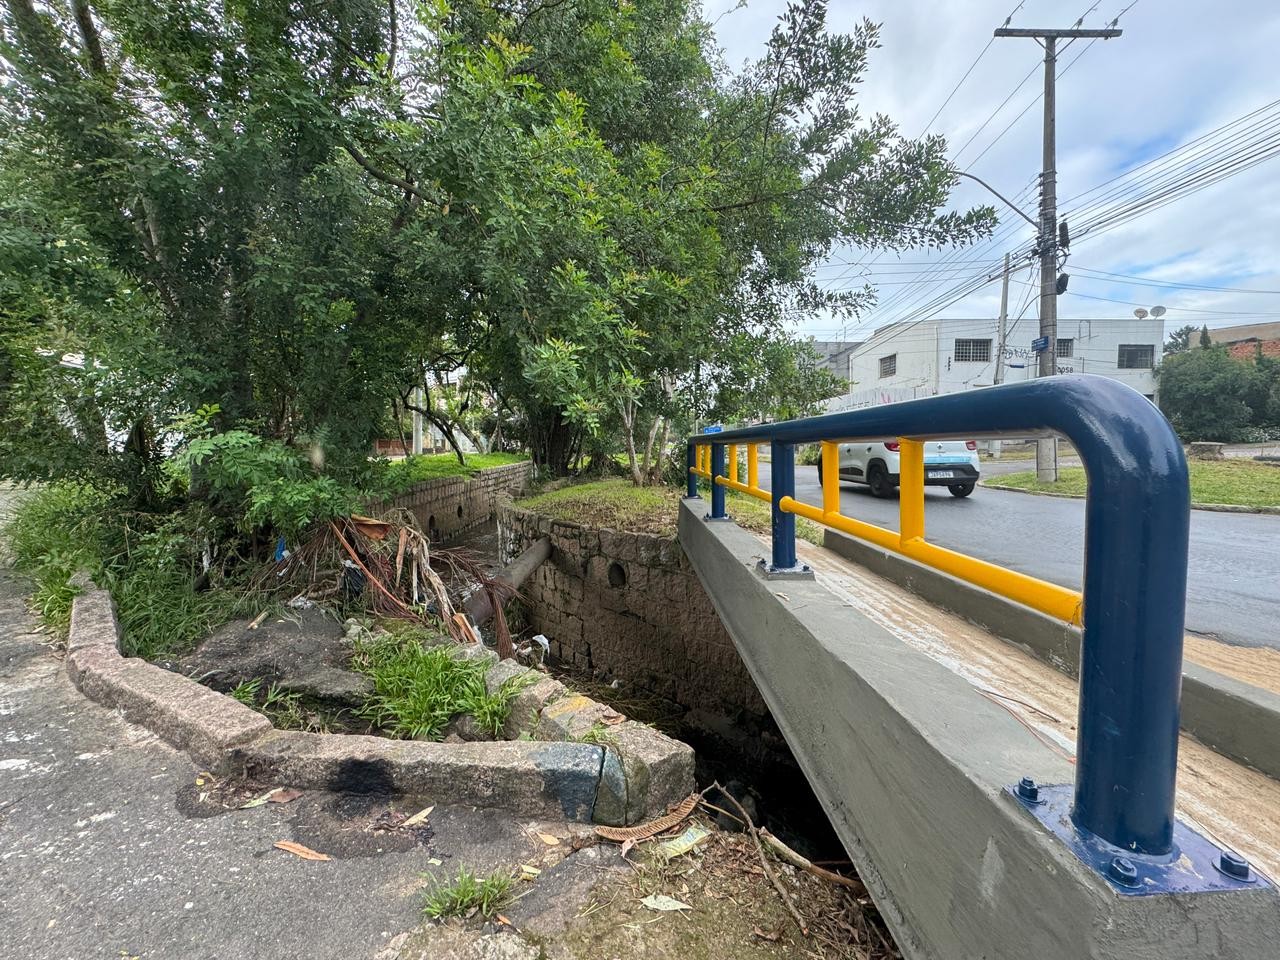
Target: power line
1149,282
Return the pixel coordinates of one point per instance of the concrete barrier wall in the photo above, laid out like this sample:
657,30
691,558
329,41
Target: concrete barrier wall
1237,719
449,506
911,763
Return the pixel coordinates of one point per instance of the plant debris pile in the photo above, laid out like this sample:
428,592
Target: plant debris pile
389,564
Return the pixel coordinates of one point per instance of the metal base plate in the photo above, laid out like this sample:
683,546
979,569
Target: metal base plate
770,572
710,519
1192,866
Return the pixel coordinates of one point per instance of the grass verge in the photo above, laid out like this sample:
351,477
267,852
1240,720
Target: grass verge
1236,483
615,503
402,474
419,687
468,894
620,505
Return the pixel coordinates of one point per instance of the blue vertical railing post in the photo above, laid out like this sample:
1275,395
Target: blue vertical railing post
783,471
691,478
717,491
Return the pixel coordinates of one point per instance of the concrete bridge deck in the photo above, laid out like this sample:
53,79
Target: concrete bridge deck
1230,803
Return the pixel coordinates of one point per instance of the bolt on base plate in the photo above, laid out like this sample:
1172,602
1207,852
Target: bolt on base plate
768,571
1195,865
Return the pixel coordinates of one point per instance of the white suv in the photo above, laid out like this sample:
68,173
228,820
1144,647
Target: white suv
947,463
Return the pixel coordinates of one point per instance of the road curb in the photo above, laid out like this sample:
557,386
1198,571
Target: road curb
1234,718
1207,507
544,777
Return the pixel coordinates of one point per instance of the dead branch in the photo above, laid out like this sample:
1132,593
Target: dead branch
808,866
764,859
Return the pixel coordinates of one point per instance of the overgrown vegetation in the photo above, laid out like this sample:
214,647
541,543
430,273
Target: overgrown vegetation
153,565
420,685
613,503
1234,482
468,894
570,225
1209,394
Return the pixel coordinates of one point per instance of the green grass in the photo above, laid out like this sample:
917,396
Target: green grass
620,505
1235,482
401,474
467,894
282,708
615,503
419,688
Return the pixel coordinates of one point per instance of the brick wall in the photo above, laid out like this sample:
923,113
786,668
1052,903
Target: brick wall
629,606
449,506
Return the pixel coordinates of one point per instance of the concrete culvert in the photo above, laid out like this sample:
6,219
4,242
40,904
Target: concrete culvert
617,575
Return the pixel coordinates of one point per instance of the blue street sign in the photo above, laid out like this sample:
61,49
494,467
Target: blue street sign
1040,344
713,428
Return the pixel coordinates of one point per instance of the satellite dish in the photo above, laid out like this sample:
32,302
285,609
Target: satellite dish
1141,313
1158,312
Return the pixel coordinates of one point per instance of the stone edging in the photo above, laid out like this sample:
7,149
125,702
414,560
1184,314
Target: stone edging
1209,507
552,774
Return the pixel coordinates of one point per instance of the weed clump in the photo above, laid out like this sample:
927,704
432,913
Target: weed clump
420,685
468,894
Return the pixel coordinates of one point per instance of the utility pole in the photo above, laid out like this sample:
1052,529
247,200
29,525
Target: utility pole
1004,320
1047,450
994,446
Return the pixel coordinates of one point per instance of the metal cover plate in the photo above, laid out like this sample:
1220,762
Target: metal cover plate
1190,868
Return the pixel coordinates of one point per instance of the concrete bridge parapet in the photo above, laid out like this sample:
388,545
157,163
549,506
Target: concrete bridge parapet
913,766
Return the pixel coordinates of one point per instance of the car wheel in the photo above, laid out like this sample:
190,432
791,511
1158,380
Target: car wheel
878,481
819,471
961,489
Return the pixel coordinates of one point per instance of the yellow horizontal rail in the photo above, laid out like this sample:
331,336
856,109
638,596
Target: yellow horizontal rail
1048,598
749,490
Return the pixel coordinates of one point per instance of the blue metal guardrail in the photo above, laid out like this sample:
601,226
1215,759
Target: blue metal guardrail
1136,532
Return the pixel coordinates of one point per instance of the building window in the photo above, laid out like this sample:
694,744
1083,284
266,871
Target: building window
973,351
1066,348
1136,356
889,365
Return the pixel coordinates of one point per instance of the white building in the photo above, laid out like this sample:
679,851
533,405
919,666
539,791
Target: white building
908,360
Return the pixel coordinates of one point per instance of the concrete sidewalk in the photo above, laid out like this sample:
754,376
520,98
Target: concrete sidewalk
104,851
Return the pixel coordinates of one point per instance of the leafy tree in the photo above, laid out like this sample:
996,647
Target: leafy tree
1205,394
297,212
1179,340
1206,341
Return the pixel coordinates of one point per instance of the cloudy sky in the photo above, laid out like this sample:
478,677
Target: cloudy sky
1181,69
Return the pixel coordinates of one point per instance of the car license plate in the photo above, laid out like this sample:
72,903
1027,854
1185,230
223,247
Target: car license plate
942,474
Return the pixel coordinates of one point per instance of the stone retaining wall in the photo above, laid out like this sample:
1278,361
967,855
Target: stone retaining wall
449,506
569,757
628,606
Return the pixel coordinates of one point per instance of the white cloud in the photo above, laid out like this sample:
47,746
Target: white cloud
1181,69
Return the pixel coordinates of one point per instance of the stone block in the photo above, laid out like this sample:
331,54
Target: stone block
527,706
530,778
505,670
180,711
93,622
658,770
570,717
611,794
475,651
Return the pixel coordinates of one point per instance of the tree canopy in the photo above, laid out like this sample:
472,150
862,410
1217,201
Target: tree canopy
290,214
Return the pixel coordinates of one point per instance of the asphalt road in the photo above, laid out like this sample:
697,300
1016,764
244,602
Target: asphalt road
1233,582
